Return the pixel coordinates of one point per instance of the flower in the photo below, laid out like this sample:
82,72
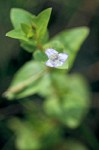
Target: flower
55,59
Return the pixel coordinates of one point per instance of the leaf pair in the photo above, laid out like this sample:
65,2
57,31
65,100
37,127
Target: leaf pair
29,29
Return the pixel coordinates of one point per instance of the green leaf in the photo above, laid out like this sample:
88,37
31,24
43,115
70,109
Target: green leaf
55,44
46,38
37,132
46,88
26,138
27,30
29,46
42,22
17,34
70,101
72,40
40,56
26,81
19,16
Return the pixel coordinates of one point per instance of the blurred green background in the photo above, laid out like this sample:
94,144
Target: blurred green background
66,14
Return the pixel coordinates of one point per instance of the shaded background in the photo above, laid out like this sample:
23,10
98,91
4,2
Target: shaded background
66,14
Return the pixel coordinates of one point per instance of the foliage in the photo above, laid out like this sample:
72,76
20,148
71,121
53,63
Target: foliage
66,97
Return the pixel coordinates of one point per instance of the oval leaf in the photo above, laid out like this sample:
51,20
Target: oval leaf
25,80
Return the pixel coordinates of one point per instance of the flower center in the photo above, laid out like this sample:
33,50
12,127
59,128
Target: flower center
54,57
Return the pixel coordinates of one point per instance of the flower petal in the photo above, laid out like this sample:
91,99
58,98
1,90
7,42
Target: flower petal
54,64
59,63
63,57
49,63
50,52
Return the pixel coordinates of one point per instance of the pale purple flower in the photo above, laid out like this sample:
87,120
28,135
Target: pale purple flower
55,59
